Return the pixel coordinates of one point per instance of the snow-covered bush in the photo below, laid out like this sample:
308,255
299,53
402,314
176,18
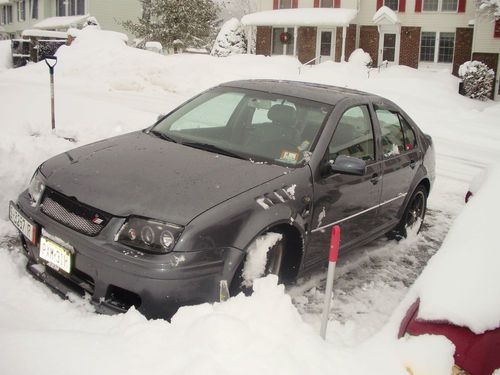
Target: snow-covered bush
489,8
477,79
360,57
231,39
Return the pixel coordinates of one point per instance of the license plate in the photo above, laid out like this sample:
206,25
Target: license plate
20,222
55,255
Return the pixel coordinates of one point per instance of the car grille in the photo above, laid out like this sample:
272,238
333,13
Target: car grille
73,214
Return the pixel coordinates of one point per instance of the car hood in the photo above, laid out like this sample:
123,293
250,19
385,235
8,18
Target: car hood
139,174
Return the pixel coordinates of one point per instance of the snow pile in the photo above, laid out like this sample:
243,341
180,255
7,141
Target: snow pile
231,39
256,259
360,57
461,284
5,55
478,79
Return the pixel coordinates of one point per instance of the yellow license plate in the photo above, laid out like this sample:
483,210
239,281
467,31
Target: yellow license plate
55,255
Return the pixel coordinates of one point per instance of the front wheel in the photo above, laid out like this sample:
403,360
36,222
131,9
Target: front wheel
413,216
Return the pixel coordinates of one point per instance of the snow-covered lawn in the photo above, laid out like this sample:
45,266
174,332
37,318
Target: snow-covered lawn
104,88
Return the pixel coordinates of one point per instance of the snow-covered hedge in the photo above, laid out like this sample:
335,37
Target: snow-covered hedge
477,79
231,39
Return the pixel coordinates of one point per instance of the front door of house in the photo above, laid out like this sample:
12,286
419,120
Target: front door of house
388,50
326,45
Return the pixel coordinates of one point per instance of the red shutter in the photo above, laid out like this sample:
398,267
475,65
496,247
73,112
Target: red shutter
295,3
497,29
402,5
336,4
316,3
461,6
380,4
418,5
276,4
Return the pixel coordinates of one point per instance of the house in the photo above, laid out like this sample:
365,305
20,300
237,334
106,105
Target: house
486,47
416,33
17,16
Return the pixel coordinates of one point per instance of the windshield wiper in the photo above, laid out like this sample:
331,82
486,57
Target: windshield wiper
162,136
212,148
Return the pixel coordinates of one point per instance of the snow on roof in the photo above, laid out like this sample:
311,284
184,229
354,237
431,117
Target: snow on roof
461,283
45,33
385,13
301,17
60,22
5,2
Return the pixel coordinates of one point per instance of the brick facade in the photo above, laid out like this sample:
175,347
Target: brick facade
306,44
350,42
264,40
463,47
409,46
368,41
490,59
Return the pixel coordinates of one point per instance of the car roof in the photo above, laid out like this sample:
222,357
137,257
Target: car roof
312,91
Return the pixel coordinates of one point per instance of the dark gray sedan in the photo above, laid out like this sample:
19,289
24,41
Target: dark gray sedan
158,218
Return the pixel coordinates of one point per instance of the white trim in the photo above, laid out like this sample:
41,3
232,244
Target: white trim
400,195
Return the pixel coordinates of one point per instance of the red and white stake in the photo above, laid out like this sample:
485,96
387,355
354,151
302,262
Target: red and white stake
332,262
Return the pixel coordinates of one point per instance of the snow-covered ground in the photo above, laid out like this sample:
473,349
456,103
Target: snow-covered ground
104,88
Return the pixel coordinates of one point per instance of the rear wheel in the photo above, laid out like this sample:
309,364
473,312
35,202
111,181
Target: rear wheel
413,216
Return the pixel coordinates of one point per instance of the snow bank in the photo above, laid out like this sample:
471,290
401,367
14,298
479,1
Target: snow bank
5,55
461,284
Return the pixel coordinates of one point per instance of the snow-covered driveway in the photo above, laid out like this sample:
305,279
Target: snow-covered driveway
105,89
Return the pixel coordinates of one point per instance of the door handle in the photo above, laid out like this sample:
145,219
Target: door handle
413,164
375,179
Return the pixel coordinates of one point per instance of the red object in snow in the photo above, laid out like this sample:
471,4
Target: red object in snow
334,244
475,354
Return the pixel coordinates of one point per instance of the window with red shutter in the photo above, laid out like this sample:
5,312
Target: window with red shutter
402,5
497,28
380,3
461,6
337,4
316,3
418,5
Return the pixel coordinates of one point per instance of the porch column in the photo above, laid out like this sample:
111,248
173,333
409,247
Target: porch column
295,37
249,39
344,34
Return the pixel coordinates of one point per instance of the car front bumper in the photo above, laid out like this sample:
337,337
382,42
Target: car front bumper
117,277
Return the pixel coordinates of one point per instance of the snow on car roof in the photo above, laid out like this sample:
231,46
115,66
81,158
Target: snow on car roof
461,283
60,22
301,17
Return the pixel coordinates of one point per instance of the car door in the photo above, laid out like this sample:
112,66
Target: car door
347,200
400,154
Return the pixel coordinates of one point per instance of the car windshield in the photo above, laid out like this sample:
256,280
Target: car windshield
248,124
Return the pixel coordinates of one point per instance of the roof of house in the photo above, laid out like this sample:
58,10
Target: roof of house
301,17
60,22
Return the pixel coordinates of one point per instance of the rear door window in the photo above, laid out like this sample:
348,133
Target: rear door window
393,142
410,138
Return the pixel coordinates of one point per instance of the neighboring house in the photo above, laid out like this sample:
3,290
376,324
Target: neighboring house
486,47
416,33
19,15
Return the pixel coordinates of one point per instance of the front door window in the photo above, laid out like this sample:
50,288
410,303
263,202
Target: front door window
389,52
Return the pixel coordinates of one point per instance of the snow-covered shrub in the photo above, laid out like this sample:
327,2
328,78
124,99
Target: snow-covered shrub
231,39
477,79
360,57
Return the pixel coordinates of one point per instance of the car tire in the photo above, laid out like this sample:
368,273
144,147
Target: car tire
273,266
414,214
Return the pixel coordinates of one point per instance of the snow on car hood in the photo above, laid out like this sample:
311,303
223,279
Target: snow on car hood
139,174
461,283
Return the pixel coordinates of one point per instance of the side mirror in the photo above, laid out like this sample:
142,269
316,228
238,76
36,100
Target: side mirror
347,165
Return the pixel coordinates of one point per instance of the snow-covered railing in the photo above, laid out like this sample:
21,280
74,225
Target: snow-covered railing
384,64
308,63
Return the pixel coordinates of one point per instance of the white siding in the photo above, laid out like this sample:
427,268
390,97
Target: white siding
484,40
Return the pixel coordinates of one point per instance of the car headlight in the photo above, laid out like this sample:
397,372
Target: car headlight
149,235
36,187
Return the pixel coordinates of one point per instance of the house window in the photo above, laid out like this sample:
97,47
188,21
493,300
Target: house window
446,47
441,5
427,46
6,15
34,9
70,7
285,4
326,4
280,48
21,11
392,4
437,47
